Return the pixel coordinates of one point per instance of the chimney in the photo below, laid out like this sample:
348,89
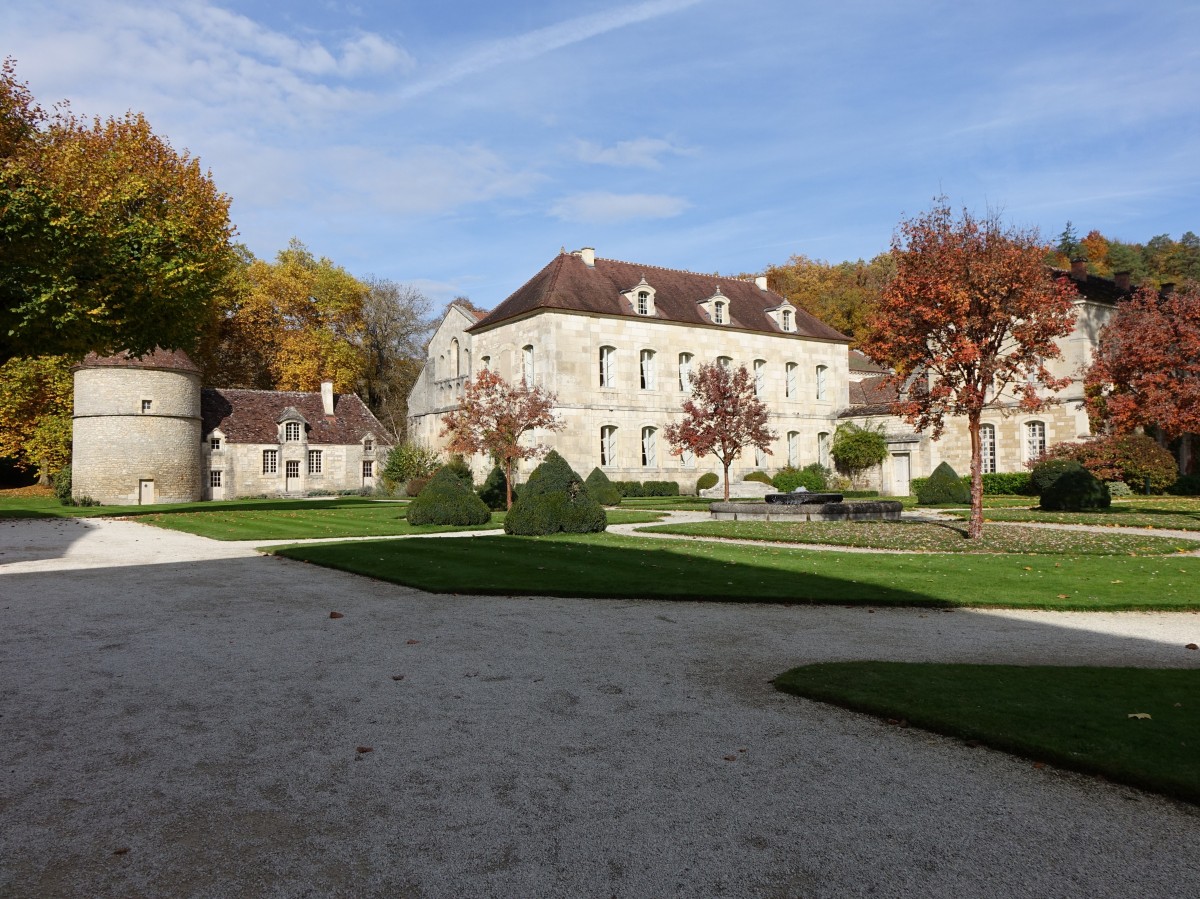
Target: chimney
327,396
588,255
761,282
1079,269
1123,280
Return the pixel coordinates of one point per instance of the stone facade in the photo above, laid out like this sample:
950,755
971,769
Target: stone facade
555,329
146,432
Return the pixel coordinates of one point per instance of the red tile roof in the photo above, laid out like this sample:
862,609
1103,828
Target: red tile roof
251,416
567,283
170,360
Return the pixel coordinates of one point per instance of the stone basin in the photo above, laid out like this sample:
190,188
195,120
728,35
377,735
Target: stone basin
876,510
802,499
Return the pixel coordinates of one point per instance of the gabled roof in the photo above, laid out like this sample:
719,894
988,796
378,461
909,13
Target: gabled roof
251,416
871,396
568,283
860,361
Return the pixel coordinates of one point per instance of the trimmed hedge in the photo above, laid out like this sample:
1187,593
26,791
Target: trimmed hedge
646,488
602,489
447,500
554,499
494,490
759,477
1000,483
943,486
813,478
1188,485
1075,489
707,481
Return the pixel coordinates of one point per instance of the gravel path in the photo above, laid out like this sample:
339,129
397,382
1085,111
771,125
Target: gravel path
182,717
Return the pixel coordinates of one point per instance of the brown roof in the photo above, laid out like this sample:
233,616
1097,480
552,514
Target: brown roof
860,361
871,396
251,416
169,360
567,283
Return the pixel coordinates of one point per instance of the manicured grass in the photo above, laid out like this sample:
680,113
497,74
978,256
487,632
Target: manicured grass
612,565
915,536
1164,513
14,505
1075,718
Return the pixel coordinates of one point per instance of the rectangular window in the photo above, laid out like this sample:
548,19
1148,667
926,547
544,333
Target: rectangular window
987,447
606,366
760,457
270,461
608,445
146,405
527,364
760,367
823,449
368,445
214,478
214,444
822,387
647,370
368,469
649,451
687,458
685,371
1035,440
719,313
643,303
314,461
793,449
291,431
790,383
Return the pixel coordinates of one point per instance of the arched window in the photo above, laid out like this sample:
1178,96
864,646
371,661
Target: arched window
649,448
643,302
527,364
724,361
608,446
760,366
607,366
685,370
987,447
793,449
485,362
718,313
1035,439
823,448
789,389
647,369
822,382
454,366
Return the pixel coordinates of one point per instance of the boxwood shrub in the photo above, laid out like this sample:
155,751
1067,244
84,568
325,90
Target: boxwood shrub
602,489
813,478
494,490
554,499
758,477
707,481
1075,489
943,486
447,500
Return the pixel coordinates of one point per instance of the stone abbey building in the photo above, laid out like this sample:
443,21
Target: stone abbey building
146,431
615,342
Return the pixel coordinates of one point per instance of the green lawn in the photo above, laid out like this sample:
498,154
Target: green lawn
612,565
13,505
1162,512
1077,718
917,536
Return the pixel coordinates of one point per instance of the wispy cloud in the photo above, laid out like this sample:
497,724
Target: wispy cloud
640,153
540,41
600,207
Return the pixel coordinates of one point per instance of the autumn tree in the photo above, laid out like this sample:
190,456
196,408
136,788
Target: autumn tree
35,413
288,325
968,324
110,239
722,417
492,417
396,325
842,295
1146,368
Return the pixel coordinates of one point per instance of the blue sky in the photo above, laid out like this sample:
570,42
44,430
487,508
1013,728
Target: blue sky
456,145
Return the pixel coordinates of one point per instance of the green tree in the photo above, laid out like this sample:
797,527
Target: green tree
857,449
110,239
35,413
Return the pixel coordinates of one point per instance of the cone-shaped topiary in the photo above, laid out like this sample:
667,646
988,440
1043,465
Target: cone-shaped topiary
494,491
602,489
554,499
447,500
458,465
943,486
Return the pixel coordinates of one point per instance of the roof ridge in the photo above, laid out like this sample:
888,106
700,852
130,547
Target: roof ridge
682,271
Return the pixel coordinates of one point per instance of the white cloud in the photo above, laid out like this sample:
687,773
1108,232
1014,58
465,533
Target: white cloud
642,153
600,207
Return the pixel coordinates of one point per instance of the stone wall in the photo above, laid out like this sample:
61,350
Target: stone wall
241,467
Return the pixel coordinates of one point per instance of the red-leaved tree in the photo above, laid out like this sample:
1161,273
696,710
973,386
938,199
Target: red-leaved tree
968,323
492,417
1146,370
722,417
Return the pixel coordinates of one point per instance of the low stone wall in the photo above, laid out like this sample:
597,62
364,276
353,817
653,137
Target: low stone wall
885,510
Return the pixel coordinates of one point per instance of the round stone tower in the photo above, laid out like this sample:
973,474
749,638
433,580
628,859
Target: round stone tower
137,429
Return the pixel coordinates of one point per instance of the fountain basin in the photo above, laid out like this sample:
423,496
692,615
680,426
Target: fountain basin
871,510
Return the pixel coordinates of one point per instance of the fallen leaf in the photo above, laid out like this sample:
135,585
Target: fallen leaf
1191,646
1064,596
361,750
1141,716
412,642
336,615
397,677
730,758
1027,568
1115,582
1039,764
121,851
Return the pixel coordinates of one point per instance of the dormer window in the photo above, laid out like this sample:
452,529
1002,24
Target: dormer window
785,320
368,445
291,432
716,307
718,313
641,297
784,315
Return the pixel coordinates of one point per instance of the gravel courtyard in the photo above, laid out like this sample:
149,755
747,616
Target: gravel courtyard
182,717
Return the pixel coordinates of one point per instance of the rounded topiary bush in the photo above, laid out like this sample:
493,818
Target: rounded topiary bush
759,477
1076,490
459,467
554,499
494,491
707,481
1046,472
447,500
943,486
602,489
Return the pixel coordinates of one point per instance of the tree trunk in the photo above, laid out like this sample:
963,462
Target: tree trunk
508,487
726,465
975,526
1185,453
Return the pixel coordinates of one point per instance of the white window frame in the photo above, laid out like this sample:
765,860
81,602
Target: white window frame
291,465
760,457
685,371
718,313
214,478
214,444
147,405
608,366
528,371
793,449
987,448
646,369
823,444
643,302
649,447
270,461
760,366
368,445
314,461
1034,433
291,428
608,446
789,384
687,459
785,318
725,361
822,382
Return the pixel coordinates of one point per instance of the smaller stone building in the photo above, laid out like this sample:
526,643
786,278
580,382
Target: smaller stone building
145,431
